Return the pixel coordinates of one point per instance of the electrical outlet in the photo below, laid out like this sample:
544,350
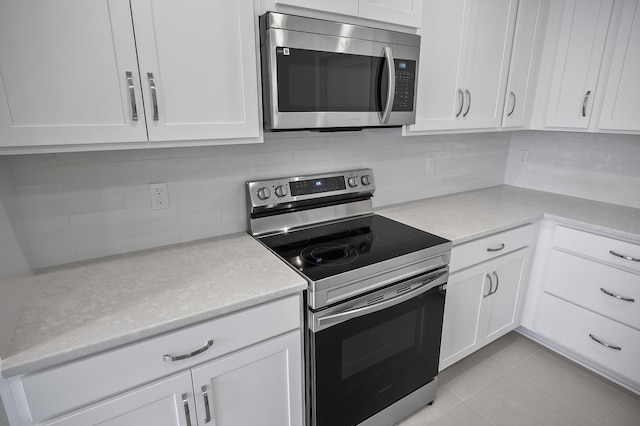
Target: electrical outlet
524,156
429,166
159,195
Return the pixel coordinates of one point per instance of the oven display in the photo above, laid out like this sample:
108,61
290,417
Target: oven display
315,186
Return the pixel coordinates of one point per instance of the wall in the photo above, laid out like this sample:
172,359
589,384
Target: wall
78,206
595,166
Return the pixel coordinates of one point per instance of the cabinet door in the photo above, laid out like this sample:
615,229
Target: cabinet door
63,73
402,12
198,67
579,50
487,62
261,385
167,402
500,310
462,314
345,7
439,96
621,103
525,57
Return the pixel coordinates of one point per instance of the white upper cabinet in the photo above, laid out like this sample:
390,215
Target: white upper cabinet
464,60
77,72
525,58
198,68
621,101
400,12
579,46
68,73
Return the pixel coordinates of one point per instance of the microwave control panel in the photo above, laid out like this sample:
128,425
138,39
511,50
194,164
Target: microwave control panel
405,85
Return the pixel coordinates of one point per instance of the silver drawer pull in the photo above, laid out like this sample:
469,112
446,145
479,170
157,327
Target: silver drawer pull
496,249
189,355
623,256
207,410
584,103
603,343
185,404
490,287
608,293
154,95
497,282
461,102
132,96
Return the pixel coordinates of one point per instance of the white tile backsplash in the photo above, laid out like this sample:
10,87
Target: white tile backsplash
595,166
79,206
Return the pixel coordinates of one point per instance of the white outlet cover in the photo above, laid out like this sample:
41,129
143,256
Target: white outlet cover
159,193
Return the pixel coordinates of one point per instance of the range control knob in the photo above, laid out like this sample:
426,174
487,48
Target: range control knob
352,181
264,193
281,190
366,180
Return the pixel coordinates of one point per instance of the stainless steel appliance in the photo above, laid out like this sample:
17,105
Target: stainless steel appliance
375,298
320,74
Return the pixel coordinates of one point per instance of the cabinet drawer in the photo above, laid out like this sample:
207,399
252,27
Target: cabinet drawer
572,326
467,254
595,286
60,389
597,247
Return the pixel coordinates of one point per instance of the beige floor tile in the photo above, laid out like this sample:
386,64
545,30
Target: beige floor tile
462,415
473,374
626,413
571,384
519,349
445,401
513,400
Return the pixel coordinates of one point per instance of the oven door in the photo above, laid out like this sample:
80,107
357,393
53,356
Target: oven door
368,353
324,81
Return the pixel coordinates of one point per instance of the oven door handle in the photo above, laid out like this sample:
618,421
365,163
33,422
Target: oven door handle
439,278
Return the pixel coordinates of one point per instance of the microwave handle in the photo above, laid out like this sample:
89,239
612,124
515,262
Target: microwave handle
391,91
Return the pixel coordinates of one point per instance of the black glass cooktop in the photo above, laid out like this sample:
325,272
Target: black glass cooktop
326,250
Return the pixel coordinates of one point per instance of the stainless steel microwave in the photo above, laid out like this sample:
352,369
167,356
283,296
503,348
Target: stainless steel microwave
320,74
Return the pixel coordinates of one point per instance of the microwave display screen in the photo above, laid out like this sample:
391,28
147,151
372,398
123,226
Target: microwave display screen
319,81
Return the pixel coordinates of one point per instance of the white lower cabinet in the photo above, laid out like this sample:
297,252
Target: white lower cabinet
589,303
163,403
243,368
256,386
483,301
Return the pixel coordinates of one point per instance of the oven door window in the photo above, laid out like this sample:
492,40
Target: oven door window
316,81
363,365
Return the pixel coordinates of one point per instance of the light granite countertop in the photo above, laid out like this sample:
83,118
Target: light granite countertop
83,309
469,215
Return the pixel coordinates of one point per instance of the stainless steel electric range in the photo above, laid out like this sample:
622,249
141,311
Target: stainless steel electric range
375,298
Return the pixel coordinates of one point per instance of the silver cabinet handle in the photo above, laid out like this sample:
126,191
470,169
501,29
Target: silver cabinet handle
207,412
132,96
623,256
461,102
468,104
584,103
391,90
608,293
189,355
497,282
185,404
603,343
154,95
496,249
490,287
514,104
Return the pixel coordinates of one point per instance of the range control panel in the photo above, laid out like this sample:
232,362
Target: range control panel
291,189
